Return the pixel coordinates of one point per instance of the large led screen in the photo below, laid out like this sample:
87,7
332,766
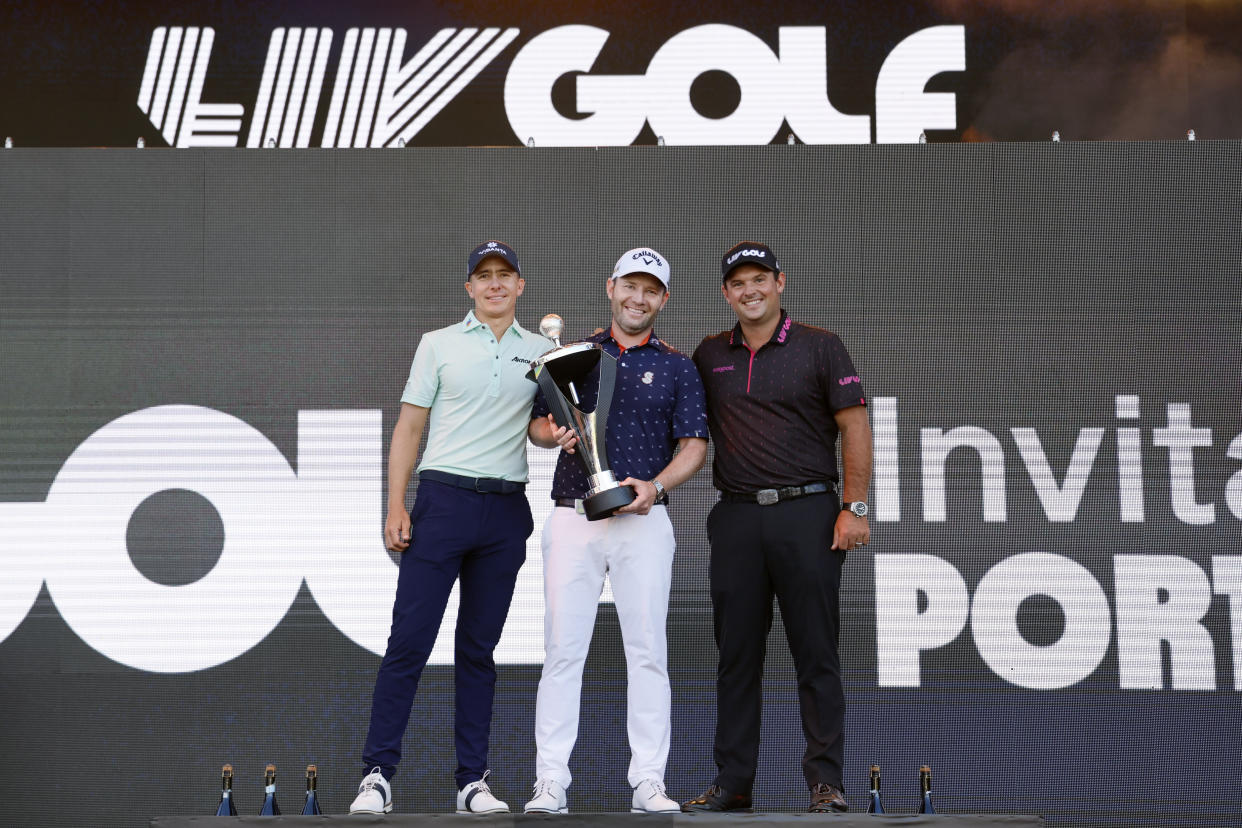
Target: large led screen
201,357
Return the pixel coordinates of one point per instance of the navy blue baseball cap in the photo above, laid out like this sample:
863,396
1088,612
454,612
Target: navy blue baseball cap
748,252
493,248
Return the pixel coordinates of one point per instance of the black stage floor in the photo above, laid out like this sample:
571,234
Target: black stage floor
609,820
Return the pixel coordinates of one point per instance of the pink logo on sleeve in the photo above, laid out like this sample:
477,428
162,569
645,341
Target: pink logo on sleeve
721,369
848,380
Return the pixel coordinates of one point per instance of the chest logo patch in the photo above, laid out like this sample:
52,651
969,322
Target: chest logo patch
648,378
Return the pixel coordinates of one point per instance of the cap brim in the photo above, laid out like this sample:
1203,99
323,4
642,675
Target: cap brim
764,263
639,269
500,256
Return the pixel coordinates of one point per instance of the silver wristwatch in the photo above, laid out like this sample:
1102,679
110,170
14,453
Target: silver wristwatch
659,487
858,507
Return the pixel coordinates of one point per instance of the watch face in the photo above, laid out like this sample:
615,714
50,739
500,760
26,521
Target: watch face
859,508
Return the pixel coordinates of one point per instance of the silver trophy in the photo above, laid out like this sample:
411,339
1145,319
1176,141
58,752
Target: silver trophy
560,373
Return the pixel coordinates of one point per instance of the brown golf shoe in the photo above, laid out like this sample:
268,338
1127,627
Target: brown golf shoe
825,799
716,798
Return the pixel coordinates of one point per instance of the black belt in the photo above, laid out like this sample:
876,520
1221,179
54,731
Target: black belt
767,497
571,503
486,485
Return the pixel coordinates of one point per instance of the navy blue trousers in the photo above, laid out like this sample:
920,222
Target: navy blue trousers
455,534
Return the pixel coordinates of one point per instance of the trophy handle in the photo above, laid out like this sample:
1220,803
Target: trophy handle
555,399
607,384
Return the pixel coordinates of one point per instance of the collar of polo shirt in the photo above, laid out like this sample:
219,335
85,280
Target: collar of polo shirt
471,322
779,337
606,334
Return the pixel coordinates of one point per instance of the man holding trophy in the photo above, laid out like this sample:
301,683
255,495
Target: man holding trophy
654,440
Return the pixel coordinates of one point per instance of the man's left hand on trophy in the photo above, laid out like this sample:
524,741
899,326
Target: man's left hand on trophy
565,437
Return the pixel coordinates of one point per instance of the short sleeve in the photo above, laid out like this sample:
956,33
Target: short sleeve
690,414
844,385
424,381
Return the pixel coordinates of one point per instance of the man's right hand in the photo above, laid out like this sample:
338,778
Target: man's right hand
397,530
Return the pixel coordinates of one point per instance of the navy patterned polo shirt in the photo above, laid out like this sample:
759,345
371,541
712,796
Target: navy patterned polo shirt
771,410
657,401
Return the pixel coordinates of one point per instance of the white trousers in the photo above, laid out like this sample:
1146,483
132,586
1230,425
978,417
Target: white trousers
636,553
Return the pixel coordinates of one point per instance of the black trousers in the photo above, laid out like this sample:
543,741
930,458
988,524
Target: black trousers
782,550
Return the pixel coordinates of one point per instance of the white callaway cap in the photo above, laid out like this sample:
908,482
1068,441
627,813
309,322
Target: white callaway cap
642,260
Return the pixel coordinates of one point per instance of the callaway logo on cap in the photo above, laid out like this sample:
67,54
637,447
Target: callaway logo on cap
492,248
748,252
642,260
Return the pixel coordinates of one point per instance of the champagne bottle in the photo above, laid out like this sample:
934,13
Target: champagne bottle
311,808
226,806
874,805
925,806
270,808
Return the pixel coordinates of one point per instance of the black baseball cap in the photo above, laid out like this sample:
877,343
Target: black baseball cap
748,252
493,248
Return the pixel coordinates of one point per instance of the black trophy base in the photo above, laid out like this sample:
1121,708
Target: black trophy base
602,505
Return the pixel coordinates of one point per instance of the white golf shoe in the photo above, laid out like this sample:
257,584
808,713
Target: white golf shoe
651,798
477,798
548,798
374,795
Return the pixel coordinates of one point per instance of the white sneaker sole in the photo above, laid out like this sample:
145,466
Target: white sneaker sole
564,810
387,810
644,811
496,811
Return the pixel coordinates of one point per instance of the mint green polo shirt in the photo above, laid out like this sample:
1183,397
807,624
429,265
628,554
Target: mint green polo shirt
479,397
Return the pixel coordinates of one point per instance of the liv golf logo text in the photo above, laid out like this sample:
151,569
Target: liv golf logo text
377,97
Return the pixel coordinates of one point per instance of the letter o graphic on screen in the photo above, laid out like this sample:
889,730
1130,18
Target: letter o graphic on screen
715,46
994,621
172,629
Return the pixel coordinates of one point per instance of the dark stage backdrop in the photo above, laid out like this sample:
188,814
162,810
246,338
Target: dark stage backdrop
202,354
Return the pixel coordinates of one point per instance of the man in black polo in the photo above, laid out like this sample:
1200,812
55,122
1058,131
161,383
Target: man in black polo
778,394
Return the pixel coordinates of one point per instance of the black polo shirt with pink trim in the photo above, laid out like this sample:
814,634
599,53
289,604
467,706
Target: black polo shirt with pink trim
771,411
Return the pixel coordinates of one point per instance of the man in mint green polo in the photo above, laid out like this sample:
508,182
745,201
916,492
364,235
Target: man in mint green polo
470,521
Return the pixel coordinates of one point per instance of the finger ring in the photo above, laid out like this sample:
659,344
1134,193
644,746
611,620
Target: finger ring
858,545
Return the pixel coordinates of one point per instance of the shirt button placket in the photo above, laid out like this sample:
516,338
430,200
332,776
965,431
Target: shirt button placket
493,388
